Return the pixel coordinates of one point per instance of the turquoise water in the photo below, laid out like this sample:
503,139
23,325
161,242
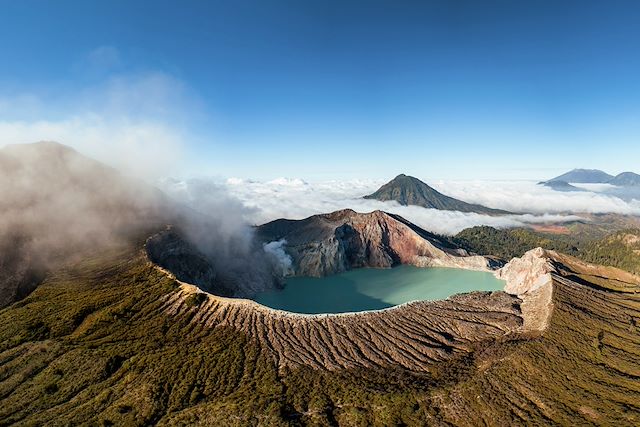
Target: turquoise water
374,289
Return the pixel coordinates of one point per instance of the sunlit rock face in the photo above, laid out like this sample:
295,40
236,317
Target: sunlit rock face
531,278
527,273
327,244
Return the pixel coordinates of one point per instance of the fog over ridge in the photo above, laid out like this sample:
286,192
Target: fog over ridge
296,199
58,206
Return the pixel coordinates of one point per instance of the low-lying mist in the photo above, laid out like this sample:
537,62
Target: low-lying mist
217,225
297,199
57,205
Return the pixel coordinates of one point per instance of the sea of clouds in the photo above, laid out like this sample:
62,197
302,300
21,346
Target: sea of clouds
139,121
265,201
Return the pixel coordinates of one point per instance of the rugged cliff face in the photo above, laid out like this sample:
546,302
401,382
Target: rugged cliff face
327,244
172,251
415,335
531,278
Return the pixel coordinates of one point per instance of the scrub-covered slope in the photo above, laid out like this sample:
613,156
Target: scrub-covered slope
616,246
113,340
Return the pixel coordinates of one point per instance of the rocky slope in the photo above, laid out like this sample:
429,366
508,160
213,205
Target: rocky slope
109,337
414,335
408,190
171,250
342,240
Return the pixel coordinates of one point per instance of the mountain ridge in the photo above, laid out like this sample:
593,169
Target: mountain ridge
595,176
57,203
113,338
560,185
169,354
626,179
584,176
338,241
408,190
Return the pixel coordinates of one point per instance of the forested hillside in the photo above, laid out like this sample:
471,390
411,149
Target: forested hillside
618,249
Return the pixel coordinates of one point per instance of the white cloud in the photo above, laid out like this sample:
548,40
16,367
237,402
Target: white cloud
527,196
281,258
297,199
137,122
143,148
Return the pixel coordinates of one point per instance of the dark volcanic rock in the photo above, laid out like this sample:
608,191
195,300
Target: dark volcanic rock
170,251
239,277
21,270
560,186
408,190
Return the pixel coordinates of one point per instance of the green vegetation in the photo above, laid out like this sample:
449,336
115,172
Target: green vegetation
619,249
510,243
196,299
95,345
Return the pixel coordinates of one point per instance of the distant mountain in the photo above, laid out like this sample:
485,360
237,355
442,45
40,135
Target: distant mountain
408,190
561,186
108,338
626,179
591,176
584,176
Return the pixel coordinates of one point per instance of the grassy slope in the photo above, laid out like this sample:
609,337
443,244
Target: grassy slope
93,344
616,249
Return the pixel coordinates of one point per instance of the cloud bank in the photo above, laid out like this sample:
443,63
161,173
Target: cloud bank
137,122
527,196
297,199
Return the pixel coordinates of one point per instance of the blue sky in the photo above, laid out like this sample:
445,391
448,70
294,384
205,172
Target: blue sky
332,89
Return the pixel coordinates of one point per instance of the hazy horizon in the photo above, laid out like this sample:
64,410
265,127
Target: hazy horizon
438,90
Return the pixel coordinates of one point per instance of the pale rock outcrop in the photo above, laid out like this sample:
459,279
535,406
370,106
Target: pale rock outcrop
527,273
530,277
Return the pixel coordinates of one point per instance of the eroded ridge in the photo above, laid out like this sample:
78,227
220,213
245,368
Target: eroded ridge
413,335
